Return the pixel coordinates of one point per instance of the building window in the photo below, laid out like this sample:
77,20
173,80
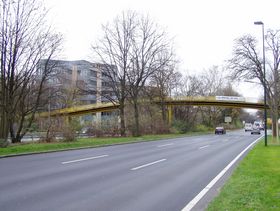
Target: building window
106,84
69,71
92,73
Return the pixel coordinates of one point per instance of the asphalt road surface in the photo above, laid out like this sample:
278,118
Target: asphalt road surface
157,175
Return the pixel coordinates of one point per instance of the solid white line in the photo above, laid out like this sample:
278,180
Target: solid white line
203,147
83,159
148,164
164,145
199,196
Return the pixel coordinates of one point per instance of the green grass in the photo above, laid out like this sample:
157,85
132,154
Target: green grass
274,141
82,142
255,184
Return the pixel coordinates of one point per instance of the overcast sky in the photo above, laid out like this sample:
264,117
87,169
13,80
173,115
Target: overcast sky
203,30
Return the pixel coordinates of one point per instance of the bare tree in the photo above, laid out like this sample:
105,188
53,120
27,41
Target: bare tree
114,50
246,64
130,50
25,39
209,83
234,113
273,42
246,61
212,82
164,80
189,86
151,52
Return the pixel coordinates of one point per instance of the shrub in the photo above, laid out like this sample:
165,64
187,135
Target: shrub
69,134
180,126
68,131
109,127
201,128
34,127
3,143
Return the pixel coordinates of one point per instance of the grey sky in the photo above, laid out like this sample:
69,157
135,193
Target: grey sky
204,30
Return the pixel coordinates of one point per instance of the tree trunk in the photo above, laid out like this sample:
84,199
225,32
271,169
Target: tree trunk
274,118
163,110
4,128
274,124
122,116
4,131
14,138
136,131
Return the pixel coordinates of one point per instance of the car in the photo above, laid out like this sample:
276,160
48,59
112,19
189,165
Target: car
256,131
248,127
86,130
220,130
256,125
259,125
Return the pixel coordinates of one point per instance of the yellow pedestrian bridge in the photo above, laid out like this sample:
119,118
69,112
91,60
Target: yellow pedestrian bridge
221,101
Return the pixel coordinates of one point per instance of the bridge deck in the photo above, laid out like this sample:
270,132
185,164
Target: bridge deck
186,101
80,110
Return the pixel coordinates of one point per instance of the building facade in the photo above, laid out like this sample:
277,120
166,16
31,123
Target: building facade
75,83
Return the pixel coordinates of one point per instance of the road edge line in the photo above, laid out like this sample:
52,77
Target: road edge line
199,196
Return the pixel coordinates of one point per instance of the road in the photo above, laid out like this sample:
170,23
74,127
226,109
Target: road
158,175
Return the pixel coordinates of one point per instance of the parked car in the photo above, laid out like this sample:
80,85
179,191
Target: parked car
248,127
220,130
256,131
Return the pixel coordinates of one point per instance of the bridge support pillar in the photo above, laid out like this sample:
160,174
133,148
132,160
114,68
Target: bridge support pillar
169,109
67,120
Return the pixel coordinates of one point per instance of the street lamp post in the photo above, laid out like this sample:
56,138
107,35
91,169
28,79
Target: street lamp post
264,84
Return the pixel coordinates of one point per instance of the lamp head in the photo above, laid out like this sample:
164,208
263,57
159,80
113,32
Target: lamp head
258,23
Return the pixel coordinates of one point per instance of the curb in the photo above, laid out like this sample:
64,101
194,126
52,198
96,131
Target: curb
68,149
89,147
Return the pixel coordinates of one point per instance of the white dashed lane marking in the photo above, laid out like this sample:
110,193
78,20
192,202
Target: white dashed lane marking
204,147
84,159
148,164
165,145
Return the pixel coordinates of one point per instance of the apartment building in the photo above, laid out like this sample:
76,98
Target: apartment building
77,83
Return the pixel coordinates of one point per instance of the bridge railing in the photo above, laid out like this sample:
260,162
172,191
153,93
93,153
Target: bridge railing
216,98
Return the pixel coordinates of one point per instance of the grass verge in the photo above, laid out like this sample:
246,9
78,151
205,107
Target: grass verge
255,184
82,142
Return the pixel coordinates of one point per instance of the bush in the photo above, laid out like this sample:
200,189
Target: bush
238,124
69,134
153,125
3,143
109,127
34,127
180,126
201,128
50,134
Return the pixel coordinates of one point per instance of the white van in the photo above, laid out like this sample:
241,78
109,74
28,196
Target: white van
248,127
